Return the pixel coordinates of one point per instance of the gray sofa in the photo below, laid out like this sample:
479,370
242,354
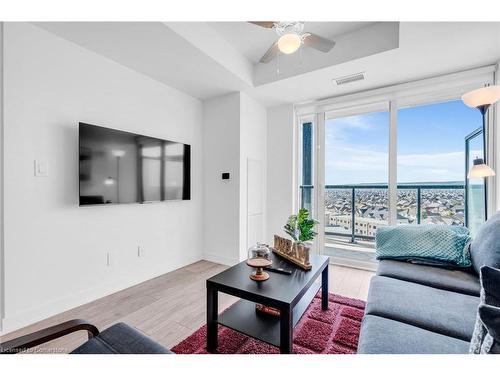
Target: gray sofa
419,309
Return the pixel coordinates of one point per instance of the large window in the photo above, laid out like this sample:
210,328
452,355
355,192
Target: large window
431,162
401,158
356,177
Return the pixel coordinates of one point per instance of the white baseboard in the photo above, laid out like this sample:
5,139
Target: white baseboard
60,305
215,258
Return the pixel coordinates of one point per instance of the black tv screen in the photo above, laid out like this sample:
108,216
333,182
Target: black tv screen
121,167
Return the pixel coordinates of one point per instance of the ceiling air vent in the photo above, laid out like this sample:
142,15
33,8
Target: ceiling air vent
350,78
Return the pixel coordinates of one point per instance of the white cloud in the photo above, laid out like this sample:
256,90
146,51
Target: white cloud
448,159
368,163
347,158
335,129
353,122
356,165
448,166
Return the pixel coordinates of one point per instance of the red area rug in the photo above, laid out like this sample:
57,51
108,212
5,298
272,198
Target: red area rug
334,331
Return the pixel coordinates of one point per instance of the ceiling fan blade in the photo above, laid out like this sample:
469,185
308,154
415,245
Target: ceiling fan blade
266,24
271,53
318,42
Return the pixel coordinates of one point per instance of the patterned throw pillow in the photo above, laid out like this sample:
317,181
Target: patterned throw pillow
445,245
486,336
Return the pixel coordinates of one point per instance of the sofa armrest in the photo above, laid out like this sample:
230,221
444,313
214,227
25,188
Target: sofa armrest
47,334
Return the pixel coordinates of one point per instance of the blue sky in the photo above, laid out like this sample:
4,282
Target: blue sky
430,144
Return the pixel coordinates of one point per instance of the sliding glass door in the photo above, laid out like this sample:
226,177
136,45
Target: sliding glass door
382,164
356,183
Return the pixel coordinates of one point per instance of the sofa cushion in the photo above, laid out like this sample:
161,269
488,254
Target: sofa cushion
486,337
485,249
455,280
384,336
121,339
448,313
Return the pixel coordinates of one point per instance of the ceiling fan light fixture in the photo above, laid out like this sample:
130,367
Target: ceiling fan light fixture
289,43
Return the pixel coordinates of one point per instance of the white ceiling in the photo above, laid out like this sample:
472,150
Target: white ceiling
372,39
253,41
154,49
425,49
208,59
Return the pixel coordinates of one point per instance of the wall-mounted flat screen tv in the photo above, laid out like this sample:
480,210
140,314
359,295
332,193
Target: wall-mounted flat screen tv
121,167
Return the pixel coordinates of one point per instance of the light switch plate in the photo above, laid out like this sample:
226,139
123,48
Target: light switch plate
41,168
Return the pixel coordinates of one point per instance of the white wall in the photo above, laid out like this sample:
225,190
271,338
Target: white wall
253,157
55,251
280,164
221,147
234,138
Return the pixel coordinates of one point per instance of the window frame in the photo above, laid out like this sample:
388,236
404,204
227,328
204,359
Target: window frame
409,94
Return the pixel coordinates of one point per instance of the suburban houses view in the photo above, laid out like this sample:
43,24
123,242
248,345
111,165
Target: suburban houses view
438,205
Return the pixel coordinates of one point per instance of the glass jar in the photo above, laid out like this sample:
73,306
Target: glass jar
259,257
259,251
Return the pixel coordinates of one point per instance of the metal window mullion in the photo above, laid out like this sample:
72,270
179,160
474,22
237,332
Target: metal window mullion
419,205
319,179
353,215
393,150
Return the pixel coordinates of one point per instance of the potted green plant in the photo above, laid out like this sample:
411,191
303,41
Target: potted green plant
300,228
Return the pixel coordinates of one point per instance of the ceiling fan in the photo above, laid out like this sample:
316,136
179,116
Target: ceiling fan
291,38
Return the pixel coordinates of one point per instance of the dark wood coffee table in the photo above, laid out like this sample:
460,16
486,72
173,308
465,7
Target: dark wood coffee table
291,294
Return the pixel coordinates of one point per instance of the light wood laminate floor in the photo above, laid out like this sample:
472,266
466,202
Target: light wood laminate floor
170,307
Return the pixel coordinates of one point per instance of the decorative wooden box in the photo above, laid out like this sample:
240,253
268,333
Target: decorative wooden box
294,252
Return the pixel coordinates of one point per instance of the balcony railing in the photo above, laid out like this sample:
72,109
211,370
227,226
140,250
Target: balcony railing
306,196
